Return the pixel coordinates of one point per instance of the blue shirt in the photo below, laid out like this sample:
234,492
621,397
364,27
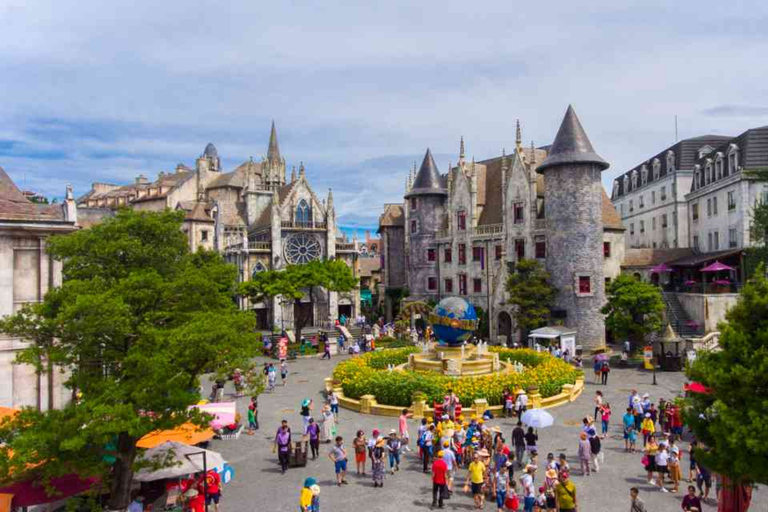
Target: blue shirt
449,458
628,419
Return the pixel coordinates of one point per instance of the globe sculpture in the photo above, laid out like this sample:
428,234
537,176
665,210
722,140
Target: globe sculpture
453,321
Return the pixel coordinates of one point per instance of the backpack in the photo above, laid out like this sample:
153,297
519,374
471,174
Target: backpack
594,445
422,442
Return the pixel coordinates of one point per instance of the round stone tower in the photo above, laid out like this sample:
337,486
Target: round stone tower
573,211
425,213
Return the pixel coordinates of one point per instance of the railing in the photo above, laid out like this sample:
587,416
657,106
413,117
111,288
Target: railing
260,246
345,247
233,247
303,225
490,229
705,288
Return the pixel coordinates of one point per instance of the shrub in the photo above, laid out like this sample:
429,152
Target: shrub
368,375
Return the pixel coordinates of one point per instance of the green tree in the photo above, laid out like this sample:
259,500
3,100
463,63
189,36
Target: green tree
634,309
531,293
136,323
730,421
758,229
295,282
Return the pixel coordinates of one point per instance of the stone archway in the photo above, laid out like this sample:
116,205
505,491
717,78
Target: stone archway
504,327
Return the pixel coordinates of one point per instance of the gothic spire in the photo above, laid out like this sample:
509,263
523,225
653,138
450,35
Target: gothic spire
273,153
461,150
518,137
302,173
293,174
572,146
329,202
428,180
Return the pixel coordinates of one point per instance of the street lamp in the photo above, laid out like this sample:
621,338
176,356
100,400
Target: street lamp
205,474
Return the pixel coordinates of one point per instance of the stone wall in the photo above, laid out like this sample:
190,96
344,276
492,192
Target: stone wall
707,310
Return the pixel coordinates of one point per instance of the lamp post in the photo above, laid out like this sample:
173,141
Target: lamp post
205,474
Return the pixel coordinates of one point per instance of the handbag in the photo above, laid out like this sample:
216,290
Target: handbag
512,502
644,461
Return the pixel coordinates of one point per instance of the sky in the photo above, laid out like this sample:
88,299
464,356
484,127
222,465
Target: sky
105,91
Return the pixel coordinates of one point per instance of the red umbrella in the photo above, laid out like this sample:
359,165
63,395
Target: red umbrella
697,387
27,494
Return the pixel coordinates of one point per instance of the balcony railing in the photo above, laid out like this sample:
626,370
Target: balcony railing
345,247
489,229
289,224
260,246
705,288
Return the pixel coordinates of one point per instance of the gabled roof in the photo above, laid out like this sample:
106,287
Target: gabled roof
611,218
393,216
572,146
428,180
369,266
197,211
14,206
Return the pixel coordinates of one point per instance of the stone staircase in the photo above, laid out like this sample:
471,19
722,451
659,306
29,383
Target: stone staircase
678,318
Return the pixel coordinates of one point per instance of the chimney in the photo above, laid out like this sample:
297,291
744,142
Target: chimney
141,180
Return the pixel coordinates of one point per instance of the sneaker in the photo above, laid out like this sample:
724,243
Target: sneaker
664,489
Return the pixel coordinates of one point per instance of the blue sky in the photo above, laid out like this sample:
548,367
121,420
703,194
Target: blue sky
95,91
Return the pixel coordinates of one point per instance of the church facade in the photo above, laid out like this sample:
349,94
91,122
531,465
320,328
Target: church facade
257,216
463,230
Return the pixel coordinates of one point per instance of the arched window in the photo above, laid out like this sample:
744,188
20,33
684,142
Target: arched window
258,268
708,172
634,179
698,179
303,214
719,166
645,174
733,158
670,161
626,184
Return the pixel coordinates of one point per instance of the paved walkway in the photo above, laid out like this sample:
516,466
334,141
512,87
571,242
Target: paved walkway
259,486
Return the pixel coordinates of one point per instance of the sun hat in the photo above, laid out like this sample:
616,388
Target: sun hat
309,481
380,442
392,431
440,453
315,490
529,467
444,417
647,415
483,453
446,443
496,429
191,493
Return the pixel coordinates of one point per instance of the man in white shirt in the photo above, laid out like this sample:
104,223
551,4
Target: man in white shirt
529,492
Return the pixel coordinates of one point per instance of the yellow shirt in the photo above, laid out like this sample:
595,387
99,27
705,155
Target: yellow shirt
648,426
566,495
306,498
477,472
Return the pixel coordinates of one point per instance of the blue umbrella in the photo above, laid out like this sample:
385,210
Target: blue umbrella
537,418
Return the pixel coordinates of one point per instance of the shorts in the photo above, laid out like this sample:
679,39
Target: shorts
450,474
212,497
693,465
477,489
360,457
529,502
341,465
551,502
662,469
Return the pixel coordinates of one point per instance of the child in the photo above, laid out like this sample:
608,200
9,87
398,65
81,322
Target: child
283,371
632,433
540,505
605,416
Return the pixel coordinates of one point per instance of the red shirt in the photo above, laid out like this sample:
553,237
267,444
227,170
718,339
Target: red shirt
439,471
213,480
197,504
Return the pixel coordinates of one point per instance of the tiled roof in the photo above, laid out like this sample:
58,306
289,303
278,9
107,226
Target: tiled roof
14,206
196,211
652,257
611,218
369,266
393,215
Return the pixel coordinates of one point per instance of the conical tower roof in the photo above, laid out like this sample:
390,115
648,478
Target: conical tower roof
572,145
428,180
8,189
273,153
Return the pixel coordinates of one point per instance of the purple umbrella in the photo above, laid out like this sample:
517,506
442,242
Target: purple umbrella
659,269
601,357
716,267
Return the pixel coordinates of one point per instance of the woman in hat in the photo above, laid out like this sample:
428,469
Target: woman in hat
393,447
329,424
305,498
306,411
377,462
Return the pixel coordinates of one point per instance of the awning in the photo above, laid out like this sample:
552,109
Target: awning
27,494
700,259
8,412
659,269
185,460
187,433
223,412
551,332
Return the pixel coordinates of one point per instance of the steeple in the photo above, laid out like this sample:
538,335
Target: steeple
293,174
428,180
329,202
519,137
273,153
461,152
302,173
572,146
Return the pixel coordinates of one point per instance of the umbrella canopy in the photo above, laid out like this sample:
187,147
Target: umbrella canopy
187,433
716,267
223,412
602,357
27,494
697,387
186,460
537,418
7,412
658,269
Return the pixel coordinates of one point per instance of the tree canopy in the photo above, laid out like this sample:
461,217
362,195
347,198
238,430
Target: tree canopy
531,293
294,282
731,420
634,309
138,320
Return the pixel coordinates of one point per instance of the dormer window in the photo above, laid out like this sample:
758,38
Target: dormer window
615,189
656,168
733,158
704,151
634,179
719,166
645,175
708,172
670,161
626,184
698,178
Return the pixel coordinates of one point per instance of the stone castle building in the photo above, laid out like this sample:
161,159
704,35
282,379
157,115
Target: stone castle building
457,233
27,272
256,215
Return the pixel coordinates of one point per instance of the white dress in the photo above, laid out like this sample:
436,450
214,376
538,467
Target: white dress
328,423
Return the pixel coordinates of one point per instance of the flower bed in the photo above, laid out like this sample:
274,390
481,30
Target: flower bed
368,375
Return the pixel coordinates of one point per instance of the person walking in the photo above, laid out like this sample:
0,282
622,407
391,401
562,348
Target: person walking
529,491
595,451
329,424
327,351
598,403
393,447
692,461
636,504
338,455
427,445
647,428
673,465
627,421
605,369
283,372
584,452
605,418
306,411
596,365
531,438
360,445
402,426
662,462
521,403
476,477
333,400
518,441
271,378
305,499
649,459
313,432
565,494
213,489
253,416
501,484
377,460
283,445
439,481
450,461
